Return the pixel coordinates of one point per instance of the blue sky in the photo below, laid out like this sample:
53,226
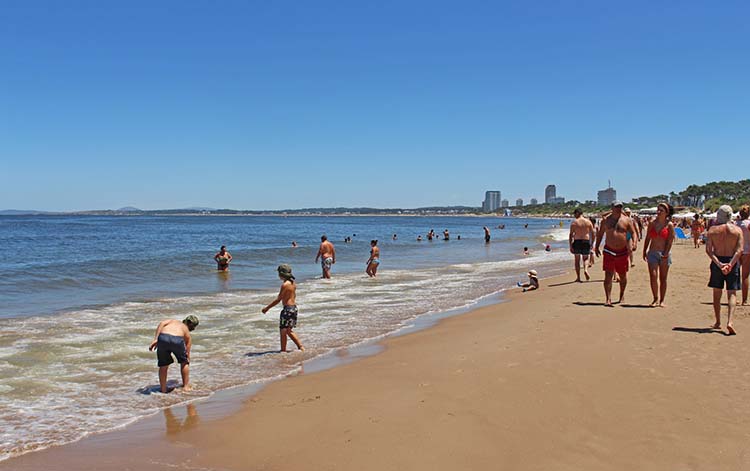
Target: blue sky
272,105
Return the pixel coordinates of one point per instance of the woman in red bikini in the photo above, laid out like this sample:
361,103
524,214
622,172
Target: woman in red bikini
656,251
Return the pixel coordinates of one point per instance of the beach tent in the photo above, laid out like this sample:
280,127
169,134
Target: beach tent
687,215
647,211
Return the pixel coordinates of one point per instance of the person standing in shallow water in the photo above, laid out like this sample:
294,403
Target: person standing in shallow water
327,256
374,261
656,252
724,247
486,235
172,337
223,258
288,299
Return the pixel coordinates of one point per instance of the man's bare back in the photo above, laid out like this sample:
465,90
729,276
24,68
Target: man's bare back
723,240
175,327
581,229
326,249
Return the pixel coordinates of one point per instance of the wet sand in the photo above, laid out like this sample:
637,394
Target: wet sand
551,380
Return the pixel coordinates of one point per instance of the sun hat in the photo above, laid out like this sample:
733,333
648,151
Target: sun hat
285,271
724,214
532,273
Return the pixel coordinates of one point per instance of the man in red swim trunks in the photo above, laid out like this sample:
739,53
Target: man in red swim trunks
615,228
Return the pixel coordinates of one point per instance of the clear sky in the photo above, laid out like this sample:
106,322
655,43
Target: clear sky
272,105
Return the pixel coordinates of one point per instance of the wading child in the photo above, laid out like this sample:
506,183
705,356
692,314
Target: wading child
173,337
288,298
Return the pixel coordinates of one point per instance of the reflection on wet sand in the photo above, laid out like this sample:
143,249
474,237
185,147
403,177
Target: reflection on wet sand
175,426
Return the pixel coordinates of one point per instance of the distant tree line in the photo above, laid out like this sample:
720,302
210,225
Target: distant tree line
709,196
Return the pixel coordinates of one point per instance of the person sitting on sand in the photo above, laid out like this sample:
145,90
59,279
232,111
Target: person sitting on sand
616,226
532,284
223,258
288,299
656,252
173,338
581,238
374,261
724,248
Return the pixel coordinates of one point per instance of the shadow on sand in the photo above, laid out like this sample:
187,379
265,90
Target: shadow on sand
172,384
700,330
583,303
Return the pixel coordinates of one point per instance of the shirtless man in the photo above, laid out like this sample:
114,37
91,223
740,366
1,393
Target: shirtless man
327,256
223,258
580,239
724,248
288,299
173,338
486,235
616,227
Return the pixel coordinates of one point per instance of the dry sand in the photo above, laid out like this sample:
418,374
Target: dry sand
551,380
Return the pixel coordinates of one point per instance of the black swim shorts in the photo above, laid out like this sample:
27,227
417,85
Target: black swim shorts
718,279
288,317
581,247
167,345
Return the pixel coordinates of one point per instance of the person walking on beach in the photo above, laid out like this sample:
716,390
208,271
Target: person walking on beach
327,256
696,229
657,251
580,239
744,225
486,235
615,228
724,248
173,338
223,258
288,299
634,239
374,261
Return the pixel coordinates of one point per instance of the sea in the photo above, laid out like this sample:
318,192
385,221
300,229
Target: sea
81,296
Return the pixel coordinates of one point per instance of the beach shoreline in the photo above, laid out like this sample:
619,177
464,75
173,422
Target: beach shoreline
548,380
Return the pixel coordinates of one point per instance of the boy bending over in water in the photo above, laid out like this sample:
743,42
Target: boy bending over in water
173,337
288,298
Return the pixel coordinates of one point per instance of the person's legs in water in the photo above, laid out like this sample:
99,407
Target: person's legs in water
163,370
287,332
185,372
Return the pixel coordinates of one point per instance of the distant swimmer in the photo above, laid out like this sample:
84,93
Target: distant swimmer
486,235
459,237
294,244
430,235
616,227
526,251
724,248
547,248
395,237
288,299
223,258
501,226
374,261
419,238
525,226
446,235
173,338
581,238
327,256
533,282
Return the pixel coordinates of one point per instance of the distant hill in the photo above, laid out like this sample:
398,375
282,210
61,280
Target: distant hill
23,212
129,209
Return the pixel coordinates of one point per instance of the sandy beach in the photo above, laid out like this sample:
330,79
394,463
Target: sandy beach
549,380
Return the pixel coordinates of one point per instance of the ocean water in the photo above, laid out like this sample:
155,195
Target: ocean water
80,298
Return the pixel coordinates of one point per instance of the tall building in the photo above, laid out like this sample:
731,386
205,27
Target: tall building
549,193
504,203
606,197
491,201
519,202
533,201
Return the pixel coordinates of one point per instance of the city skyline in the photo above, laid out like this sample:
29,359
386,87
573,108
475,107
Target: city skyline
110,105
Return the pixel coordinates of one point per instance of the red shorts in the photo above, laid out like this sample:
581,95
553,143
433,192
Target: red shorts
616,260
